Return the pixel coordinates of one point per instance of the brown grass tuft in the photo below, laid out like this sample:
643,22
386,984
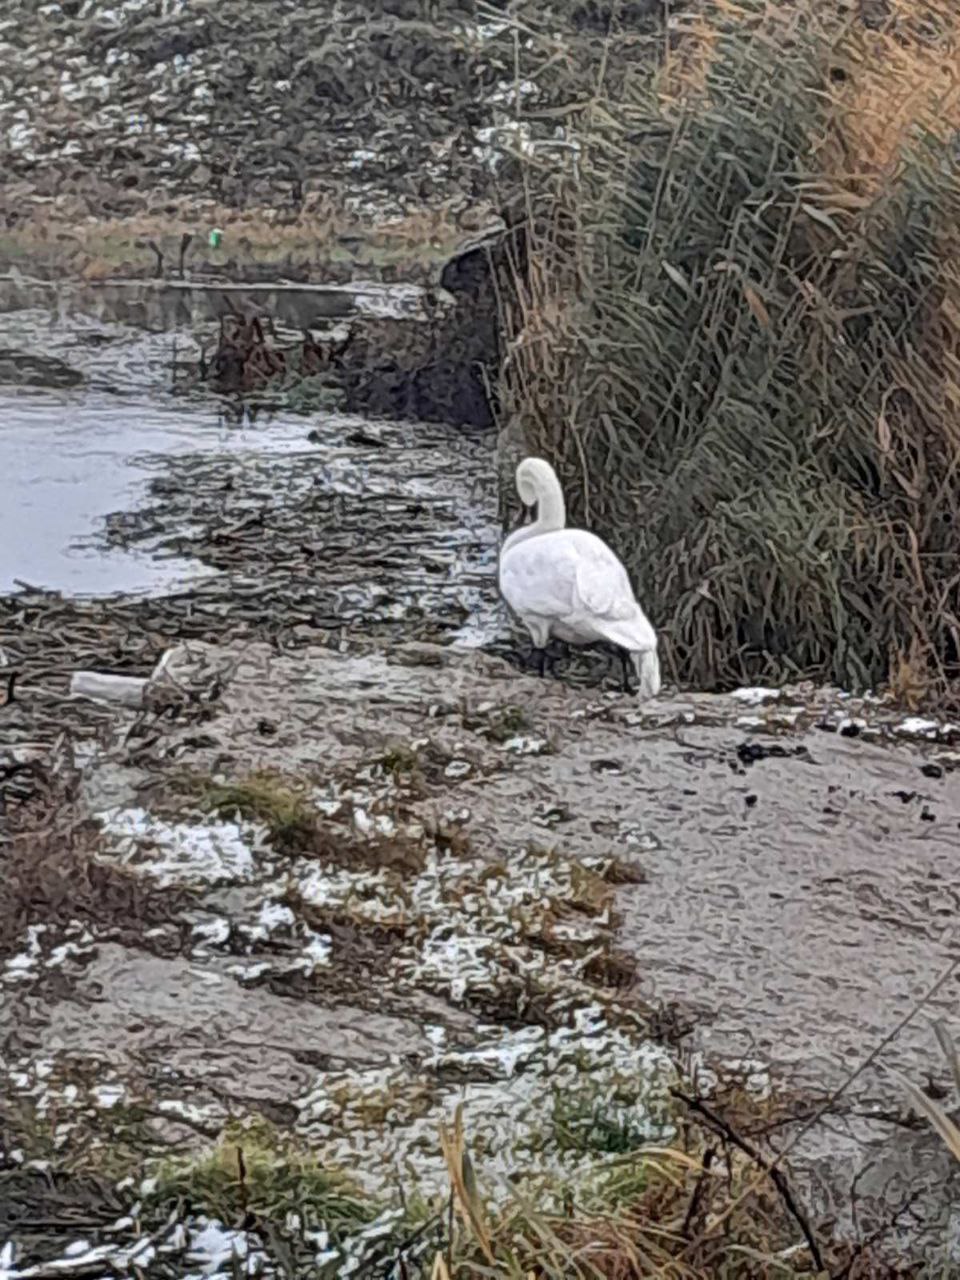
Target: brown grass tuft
891,85
51,876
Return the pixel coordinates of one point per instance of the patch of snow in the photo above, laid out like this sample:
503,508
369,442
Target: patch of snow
182,853
214,1247
455,962
214,932
247,972
756,696
108,1095
523,745
23,966
273,916
586,1068
201,1115
917,727
368,894
636,837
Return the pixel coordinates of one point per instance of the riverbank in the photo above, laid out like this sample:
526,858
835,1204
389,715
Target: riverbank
363,867
329,896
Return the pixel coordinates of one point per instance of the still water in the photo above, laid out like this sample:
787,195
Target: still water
70,458
71,455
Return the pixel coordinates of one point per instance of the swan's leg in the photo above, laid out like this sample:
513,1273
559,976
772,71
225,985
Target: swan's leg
545,661
536,657
626,661
540,638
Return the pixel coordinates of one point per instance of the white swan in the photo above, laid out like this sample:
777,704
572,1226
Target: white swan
568,584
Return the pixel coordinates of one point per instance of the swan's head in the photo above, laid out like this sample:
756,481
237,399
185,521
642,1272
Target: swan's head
535,479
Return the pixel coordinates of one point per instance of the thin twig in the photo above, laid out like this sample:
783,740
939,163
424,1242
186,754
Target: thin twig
941,981
698,1190
860,1249
777,1176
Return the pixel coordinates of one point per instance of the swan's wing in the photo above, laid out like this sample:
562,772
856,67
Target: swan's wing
565,575
602,585
539,577
572,577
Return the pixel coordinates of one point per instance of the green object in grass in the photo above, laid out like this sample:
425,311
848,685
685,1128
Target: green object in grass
215,238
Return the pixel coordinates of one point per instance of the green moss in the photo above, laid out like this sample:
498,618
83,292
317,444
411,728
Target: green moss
507,723
400,759
591,1124
259,1171
278,803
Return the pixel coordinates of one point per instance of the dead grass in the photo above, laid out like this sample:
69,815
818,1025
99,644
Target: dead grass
295,827
33,1202
646,1212
943,1122
889,86
734,326
320,240
52,876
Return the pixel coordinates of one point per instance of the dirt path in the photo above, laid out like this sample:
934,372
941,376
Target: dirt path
785,892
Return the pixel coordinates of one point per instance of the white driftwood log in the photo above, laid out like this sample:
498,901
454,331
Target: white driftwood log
182,672
124,691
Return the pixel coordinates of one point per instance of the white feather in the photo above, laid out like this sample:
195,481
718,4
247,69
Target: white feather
568,584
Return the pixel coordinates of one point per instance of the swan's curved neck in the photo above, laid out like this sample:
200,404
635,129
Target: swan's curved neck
551,509
551,513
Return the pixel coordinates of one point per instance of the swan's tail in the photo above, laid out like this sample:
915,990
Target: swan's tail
647,663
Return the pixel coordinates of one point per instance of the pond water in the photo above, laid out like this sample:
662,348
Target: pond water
66,461
72,455
69,455
70,458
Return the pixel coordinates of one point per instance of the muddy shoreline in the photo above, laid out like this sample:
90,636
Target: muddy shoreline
363,867
486,857
781,862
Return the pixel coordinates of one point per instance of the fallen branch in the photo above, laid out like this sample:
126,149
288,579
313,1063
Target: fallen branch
11,681
776,1175
864,1246
708,1158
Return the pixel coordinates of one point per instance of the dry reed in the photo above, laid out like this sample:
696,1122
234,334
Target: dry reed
734,325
